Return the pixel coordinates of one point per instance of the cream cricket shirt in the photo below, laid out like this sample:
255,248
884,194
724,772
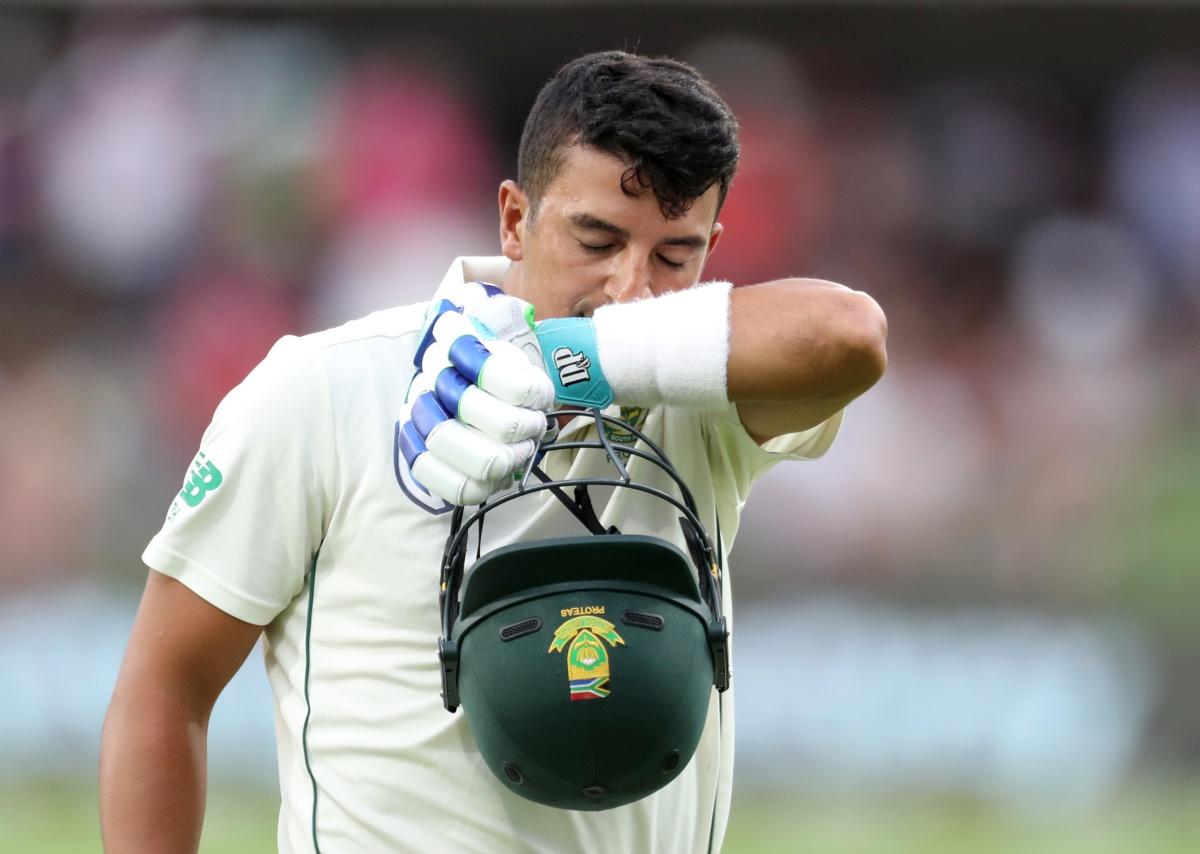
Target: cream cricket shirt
298,514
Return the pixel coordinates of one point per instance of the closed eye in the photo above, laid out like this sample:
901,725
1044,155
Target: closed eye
594,248
674,265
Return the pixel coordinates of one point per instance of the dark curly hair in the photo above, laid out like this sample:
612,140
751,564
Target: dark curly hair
658,115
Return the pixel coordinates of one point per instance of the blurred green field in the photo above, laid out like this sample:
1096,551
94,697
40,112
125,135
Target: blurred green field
1161,818
1150,818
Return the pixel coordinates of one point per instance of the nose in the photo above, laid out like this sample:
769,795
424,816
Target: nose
628,280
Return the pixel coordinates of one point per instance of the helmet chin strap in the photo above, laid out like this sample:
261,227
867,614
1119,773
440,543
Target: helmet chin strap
580,507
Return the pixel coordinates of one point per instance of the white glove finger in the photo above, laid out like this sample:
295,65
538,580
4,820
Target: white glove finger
421,383
436,309
447,329
504,422
433,474
513,378
524,452
435,358
525,347
472,453
508,375
452,460
451,326
448,484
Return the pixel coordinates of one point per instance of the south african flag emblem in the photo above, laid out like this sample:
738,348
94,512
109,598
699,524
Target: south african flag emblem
589,689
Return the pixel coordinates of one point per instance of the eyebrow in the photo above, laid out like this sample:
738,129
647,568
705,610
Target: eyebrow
592,223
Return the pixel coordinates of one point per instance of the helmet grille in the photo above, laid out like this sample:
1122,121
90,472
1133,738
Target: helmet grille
516,630
645,621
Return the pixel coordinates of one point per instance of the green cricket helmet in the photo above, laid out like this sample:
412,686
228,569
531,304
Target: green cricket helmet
585,665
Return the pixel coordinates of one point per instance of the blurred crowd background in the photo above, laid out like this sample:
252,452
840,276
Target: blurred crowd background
1019,187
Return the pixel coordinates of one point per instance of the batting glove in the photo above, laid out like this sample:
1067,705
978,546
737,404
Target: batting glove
476,408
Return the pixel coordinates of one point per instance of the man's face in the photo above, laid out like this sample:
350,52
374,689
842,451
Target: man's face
590,243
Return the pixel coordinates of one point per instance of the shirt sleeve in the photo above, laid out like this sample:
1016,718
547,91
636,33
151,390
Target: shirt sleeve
737,460
245,528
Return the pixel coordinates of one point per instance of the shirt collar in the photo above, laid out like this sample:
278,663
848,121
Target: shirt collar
476,268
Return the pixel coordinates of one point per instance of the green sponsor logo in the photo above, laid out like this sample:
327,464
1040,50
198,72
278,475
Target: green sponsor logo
203,479
635,416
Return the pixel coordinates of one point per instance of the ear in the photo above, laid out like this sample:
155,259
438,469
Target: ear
514,210
714,237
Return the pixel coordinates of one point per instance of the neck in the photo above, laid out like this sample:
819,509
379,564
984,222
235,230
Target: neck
513,283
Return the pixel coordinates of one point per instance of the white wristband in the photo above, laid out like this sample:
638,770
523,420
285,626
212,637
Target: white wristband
672,349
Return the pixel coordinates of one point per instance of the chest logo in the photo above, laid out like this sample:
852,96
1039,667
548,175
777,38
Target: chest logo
588,669
635,417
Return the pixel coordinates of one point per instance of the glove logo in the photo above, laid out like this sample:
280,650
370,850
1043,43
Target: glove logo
587,658
572,367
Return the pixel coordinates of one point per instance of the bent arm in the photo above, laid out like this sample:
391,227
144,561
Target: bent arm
799,351
181,653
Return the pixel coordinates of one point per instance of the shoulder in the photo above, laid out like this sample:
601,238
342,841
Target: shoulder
392,323
293,381
362,361
300,364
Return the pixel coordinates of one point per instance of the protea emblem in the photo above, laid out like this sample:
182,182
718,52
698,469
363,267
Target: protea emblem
587,657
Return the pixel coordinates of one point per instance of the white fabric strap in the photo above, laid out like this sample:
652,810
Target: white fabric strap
672,349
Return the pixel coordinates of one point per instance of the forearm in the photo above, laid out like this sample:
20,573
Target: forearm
790,353
152,774
800,340
800,350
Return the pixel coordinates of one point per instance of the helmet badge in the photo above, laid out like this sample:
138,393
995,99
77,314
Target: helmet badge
587,658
